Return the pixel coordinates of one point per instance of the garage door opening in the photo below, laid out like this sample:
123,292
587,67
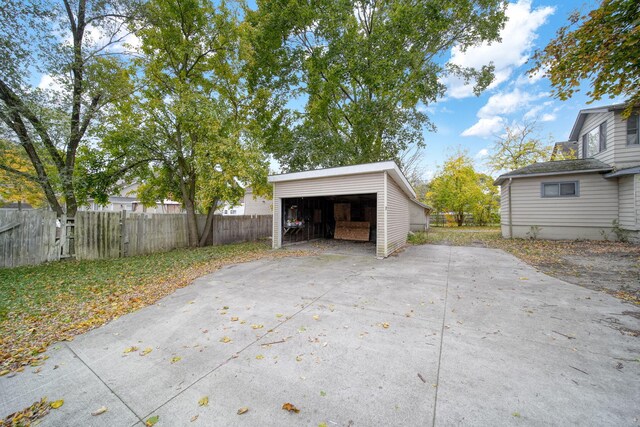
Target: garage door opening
350,218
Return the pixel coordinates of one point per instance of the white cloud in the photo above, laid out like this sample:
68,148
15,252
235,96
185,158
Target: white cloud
508,102
482,153
548,117
513,51
485,127
49,83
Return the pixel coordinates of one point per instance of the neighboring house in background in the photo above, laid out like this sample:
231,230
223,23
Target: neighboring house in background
248,205
127,200
581,198
565,150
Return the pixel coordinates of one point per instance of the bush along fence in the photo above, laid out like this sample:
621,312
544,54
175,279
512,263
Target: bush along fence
32,237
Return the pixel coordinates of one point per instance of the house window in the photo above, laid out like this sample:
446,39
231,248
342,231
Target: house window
594,141
560,189
632,129
232,211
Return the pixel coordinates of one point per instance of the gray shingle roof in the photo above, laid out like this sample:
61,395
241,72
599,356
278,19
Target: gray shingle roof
556,168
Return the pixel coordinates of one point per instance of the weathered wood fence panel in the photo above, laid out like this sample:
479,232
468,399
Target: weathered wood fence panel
27,237
146,234
97,235
232,229
33,237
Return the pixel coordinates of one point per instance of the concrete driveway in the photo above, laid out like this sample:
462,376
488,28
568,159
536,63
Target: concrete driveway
434,335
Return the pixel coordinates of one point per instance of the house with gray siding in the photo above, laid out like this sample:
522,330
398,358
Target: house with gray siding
370,202
594,196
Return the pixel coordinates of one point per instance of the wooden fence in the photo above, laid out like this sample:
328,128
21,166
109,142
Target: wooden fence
33,237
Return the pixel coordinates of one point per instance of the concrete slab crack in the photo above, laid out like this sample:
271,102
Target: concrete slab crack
105,384
444,318
305,307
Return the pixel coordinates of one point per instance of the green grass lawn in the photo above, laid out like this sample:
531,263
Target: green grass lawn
43,304
457,236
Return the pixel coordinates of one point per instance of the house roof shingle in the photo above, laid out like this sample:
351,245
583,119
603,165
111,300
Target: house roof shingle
557,167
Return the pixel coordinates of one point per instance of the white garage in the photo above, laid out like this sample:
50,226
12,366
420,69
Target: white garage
370,202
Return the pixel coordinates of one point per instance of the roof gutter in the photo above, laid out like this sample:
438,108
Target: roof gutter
501,179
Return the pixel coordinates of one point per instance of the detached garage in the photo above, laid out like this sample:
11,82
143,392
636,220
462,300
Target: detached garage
370,202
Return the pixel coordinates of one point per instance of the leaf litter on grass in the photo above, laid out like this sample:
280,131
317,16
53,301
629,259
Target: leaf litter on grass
41,305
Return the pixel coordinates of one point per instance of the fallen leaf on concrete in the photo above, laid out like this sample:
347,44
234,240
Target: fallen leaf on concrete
322,393
5,372
278,315
257,326
385,325
234,319
223,312
290,407
242,322
204,401
524,278
316,317
242,410
130,349
146,351
99,411
151,421
298,358
176,359
195,417
322,425
225,340
57,404
28,415
259,357
226,307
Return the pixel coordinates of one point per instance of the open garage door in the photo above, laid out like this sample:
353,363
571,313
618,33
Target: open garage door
342,217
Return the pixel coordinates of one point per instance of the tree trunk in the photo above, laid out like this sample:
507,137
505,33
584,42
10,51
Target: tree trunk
460,219
192,224
208,224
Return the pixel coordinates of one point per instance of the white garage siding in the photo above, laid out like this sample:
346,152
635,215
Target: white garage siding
397,217
561,217
372,183
394,196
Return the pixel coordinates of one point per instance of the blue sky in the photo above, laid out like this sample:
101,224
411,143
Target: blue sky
472,123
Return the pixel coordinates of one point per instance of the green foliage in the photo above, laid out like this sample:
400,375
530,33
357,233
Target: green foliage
517,148
601,47
459,189
14,187
70,45
189,132
362,69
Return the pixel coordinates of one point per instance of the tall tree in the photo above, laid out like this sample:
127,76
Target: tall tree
457,188
517,147
362,68
71,45
189,128
601,47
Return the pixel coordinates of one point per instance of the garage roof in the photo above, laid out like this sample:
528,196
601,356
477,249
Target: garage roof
388,166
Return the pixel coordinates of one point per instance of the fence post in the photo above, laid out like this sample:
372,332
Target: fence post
124,236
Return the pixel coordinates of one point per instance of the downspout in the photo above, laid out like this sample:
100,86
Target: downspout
276,232
386,229
510,216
